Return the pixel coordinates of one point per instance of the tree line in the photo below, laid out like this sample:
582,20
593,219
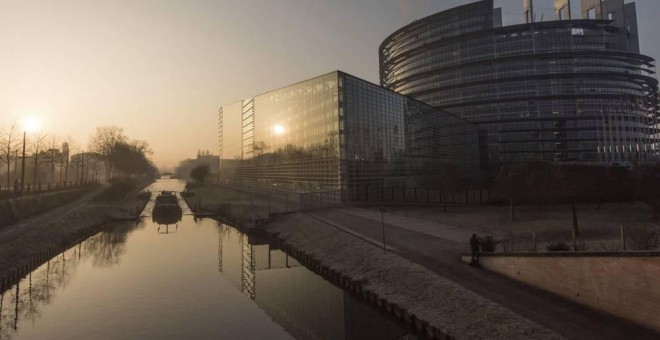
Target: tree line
49,159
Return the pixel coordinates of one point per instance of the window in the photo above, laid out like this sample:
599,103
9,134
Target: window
591,13
610,15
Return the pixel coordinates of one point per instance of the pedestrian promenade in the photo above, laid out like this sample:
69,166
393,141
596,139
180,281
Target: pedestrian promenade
438,247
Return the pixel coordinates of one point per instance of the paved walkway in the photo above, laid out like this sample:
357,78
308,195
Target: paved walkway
438,248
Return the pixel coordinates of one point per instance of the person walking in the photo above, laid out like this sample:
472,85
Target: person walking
474,248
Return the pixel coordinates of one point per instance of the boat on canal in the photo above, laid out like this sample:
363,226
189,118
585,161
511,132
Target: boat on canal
166,208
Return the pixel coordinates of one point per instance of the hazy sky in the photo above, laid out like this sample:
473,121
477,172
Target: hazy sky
161,68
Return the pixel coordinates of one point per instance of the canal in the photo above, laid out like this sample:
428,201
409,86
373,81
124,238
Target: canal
197,278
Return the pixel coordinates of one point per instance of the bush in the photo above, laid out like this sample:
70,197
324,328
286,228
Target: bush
119,187
487,244
559,246
199,173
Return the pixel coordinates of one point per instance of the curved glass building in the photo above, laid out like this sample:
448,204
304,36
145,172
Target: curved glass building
564,90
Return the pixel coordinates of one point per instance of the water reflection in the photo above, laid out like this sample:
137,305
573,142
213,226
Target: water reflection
306,305
165,229
24,301
208,281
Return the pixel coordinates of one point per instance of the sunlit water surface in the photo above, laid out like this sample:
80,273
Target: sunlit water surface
194,279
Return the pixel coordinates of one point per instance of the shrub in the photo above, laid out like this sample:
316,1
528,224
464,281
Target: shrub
199,173
119,187
559,246
487,244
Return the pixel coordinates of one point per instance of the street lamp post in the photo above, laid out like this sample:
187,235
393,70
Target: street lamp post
32,125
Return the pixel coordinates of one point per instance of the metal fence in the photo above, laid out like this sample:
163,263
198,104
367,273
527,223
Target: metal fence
10,191
421,195
635,236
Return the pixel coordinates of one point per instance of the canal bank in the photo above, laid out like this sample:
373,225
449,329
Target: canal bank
26,244
426,301
193,279
432,304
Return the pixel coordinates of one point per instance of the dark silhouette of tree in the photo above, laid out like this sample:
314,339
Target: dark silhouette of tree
199,173
9,141
130,159
104,141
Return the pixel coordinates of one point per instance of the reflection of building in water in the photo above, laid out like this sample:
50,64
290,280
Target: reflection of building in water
306,305
24,300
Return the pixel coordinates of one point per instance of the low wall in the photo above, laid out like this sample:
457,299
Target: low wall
626,284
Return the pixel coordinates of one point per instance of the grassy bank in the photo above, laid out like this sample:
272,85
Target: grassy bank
22,243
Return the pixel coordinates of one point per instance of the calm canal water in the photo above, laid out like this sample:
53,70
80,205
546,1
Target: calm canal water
194,279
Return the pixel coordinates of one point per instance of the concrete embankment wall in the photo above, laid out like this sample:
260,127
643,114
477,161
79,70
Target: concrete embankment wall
15,209
626,284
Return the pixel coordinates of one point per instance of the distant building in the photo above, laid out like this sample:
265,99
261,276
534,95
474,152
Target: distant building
203,158
338,133
564,90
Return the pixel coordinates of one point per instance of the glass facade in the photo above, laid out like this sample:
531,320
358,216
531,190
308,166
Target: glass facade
554,91
338,133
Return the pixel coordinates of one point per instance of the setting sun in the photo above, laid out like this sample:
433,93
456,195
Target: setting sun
31,124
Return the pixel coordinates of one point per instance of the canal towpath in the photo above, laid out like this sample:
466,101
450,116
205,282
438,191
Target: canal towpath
438,247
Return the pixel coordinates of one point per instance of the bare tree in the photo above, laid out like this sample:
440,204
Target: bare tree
9,141
103,142
37,144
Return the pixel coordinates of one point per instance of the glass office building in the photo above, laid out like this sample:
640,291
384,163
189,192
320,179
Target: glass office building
563,90
338,133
